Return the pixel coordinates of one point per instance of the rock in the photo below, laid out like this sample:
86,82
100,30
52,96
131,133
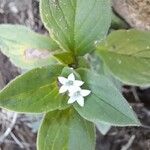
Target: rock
135,12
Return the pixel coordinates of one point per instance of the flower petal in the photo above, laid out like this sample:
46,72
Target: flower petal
62,80
80,101
71,100
71,77
85,92
78,83
73,89
63,89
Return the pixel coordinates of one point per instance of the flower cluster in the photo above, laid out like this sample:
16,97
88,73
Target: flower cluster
73,87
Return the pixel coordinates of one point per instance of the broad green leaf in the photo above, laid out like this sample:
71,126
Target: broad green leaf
76,24
126,53
103,128
25,48
66,130
105,104
35,91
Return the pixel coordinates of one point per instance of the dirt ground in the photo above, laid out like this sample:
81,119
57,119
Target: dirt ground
23,134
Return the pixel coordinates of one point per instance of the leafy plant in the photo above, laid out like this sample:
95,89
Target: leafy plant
78,30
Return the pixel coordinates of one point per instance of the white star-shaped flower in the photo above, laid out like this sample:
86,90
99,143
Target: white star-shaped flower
78,95
69,83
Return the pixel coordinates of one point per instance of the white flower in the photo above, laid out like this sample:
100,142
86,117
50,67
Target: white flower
69,83
75,93
78,95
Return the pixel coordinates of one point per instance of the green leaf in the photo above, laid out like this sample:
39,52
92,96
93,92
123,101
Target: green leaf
83,62
25,48
105,104
36,91
127,56
98,66
66,130
103,128
64,57
76,24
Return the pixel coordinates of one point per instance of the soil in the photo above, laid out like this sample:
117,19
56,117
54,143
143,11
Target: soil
23,137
